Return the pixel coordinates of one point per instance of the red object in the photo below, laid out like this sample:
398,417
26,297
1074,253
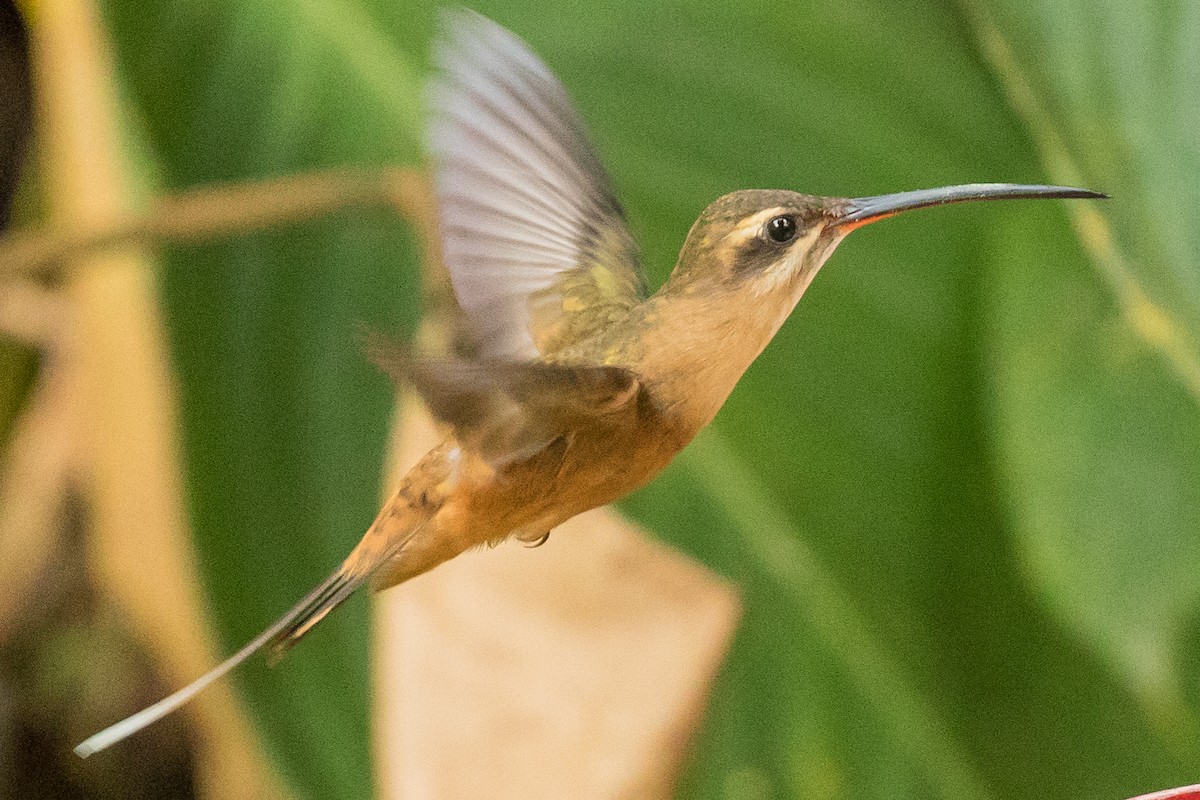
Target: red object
1182,793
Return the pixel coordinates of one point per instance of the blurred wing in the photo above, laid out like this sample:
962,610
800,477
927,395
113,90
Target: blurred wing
532,234
509,411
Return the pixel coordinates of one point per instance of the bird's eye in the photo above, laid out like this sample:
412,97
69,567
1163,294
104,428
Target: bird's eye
782,229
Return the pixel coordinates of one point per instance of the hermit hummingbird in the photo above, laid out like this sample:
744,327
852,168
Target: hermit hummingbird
580,386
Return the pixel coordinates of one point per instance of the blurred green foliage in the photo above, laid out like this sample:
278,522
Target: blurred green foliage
960,490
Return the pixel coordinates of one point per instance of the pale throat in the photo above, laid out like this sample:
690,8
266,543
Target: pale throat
705,342
778,288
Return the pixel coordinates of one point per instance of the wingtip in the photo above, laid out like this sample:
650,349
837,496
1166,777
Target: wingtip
458,23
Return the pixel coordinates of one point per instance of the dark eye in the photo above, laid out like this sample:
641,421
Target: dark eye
782,229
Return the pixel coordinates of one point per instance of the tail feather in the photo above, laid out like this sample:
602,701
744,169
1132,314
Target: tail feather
308,612
280,636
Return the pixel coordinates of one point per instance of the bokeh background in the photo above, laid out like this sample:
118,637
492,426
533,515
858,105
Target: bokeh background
960,493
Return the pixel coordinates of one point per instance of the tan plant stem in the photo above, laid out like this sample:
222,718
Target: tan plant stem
123,396
216,212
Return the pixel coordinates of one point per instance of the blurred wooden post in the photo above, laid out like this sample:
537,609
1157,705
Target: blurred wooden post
117,368
579,669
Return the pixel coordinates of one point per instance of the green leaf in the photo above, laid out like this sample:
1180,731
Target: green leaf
285,423
1097,366
18,366
1101,445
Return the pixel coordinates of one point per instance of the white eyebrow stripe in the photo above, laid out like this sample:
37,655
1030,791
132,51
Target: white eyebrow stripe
752,226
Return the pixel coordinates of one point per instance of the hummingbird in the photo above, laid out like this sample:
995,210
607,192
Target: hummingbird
579,385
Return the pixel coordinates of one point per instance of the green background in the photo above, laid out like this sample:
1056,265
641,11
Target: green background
960,491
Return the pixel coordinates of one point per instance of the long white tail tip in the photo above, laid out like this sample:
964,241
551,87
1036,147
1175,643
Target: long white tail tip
335,588
131,725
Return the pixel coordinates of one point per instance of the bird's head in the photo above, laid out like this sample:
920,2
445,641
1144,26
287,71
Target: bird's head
771,243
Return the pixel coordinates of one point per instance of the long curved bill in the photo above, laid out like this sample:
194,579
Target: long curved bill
865,210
